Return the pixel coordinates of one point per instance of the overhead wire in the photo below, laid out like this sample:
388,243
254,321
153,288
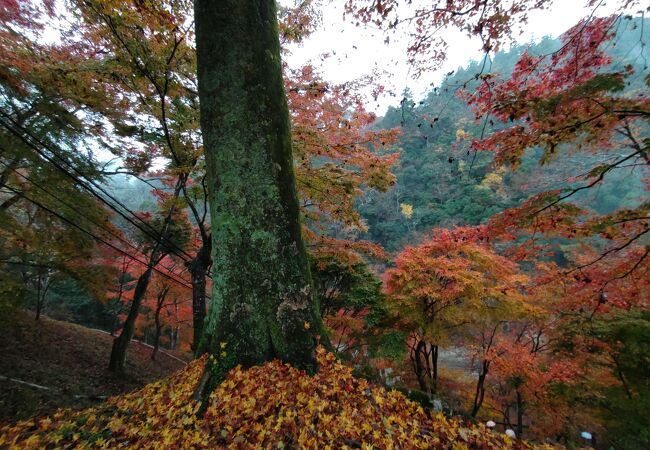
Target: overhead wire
149,231
97,238
79,213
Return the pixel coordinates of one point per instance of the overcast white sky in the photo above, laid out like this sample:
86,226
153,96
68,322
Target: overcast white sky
340,37
357,51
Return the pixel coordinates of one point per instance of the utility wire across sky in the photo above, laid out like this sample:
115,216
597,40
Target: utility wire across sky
92,187
94,236
81,214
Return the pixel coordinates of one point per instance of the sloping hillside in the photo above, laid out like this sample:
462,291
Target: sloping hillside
70,361
269,406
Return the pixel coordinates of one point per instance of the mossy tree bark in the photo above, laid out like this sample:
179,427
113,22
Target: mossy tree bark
262,306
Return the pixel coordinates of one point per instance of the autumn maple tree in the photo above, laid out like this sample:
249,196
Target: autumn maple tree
575,100
449,284
585,264
257,170
168,309
493,22
43,213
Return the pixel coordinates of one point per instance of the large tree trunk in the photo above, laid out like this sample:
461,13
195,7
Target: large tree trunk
262,305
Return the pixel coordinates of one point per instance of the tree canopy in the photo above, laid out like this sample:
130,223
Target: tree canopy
168,174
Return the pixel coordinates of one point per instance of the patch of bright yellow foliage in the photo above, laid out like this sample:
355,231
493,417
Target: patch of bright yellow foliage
407,210
270,406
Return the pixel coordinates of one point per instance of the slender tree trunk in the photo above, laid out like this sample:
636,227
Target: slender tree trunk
156,338
434,364
262,303
520,415
479,395
420,363
621,377
198,268
120,293
41,294
115,324
11,201
175,330
38,296
121,343
160,302
172,338
9,168
506,418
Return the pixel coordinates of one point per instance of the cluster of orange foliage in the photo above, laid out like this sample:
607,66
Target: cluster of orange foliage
267,406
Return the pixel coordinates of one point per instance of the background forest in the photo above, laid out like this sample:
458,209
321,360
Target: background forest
483,250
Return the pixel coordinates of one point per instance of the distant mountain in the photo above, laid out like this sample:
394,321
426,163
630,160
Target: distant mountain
448,185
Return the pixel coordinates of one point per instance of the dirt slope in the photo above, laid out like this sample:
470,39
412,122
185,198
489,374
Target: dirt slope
70,360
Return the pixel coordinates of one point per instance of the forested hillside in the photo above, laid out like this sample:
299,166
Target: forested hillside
441,182
470,270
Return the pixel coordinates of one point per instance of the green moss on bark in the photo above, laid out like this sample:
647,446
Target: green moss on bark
262,304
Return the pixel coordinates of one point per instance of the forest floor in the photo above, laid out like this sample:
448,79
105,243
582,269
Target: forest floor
70,361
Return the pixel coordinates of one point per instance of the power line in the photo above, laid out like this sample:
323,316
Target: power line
99,239
151,232
93,221
156,235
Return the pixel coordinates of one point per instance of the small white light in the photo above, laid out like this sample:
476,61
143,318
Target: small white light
510,433
490,424
586,435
